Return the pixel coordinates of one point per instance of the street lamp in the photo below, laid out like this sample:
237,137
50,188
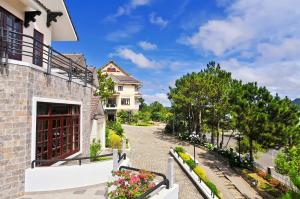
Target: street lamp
194,137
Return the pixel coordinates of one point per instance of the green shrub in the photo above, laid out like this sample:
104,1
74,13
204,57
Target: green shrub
184,156
95,149
116,126
115,141
124,116
179,149
108,133
200,173
213,188
290,195
191,164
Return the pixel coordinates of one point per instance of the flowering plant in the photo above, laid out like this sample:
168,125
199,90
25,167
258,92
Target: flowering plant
129,184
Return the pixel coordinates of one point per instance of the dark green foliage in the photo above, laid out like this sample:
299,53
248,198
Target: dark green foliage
116,126
124,117
179,149
106,86
290,195
191,163
288,163
212,187
95,149
245,146
154,112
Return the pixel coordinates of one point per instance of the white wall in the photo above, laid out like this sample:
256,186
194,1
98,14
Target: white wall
64,177
172,193
98,131
128,92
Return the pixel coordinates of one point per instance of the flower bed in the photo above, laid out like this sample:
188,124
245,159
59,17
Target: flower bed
203,182
266,185
129,184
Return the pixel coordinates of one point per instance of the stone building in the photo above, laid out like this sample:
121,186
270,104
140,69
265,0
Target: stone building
48,109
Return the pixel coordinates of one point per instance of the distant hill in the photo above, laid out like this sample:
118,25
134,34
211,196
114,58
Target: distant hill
297,102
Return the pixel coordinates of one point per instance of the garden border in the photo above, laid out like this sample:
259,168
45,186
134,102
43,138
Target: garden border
200,185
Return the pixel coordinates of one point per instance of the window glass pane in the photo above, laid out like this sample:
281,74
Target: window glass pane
62,123
125,101
42,108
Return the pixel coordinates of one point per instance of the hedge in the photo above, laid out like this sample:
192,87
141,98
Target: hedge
197,169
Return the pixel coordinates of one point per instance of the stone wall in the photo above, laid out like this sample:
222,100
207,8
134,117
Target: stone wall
17,88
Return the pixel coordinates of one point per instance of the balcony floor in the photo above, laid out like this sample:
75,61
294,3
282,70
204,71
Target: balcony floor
89,192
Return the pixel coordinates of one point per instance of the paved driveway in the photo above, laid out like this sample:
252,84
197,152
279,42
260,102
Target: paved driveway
149,152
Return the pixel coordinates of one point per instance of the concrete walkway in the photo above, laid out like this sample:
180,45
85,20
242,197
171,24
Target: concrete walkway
89,192
149,150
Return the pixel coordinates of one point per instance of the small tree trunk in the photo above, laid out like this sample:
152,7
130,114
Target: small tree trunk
212,139
218,134
251,149
222,139
229,138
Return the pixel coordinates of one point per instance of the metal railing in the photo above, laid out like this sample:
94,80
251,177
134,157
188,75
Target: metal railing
122,157
15,45
165,181
34,162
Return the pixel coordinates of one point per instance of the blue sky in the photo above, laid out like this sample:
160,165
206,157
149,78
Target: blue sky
157,41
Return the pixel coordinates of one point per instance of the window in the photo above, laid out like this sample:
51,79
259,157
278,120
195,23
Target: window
14,42
57,130
120,88
136,88
111,69
125,101
38,48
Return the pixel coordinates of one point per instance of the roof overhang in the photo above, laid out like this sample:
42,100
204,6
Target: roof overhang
63,29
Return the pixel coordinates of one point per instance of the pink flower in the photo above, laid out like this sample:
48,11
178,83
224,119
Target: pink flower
134,179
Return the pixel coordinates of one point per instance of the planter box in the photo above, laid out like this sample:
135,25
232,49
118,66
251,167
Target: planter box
200,185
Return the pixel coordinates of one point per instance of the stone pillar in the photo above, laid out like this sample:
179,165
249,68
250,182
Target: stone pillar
170,171
115,160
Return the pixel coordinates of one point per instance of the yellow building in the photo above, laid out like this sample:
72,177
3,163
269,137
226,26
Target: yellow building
127,91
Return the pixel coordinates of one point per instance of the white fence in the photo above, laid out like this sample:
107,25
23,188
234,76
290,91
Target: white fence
66,177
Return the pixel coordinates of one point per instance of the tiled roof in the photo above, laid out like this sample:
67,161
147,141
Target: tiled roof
96,108
78,58
125,79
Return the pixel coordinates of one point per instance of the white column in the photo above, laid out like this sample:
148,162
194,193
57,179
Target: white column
115,160
170,171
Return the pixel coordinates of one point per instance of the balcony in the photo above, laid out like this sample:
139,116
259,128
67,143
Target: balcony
21,47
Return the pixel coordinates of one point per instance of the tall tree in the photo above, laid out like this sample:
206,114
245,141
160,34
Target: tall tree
217,96
106,86
253,118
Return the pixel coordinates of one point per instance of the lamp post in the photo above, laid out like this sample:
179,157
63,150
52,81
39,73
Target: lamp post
194,138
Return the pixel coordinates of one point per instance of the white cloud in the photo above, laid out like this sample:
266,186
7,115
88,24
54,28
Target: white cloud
258,40
125,33
280,77
137,58
288,49
247,24
147,45
126,9
161,97
157,20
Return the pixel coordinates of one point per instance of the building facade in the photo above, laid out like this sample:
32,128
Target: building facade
127,91
48,109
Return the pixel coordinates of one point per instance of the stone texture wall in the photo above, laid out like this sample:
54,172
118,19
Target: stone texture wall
17,88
